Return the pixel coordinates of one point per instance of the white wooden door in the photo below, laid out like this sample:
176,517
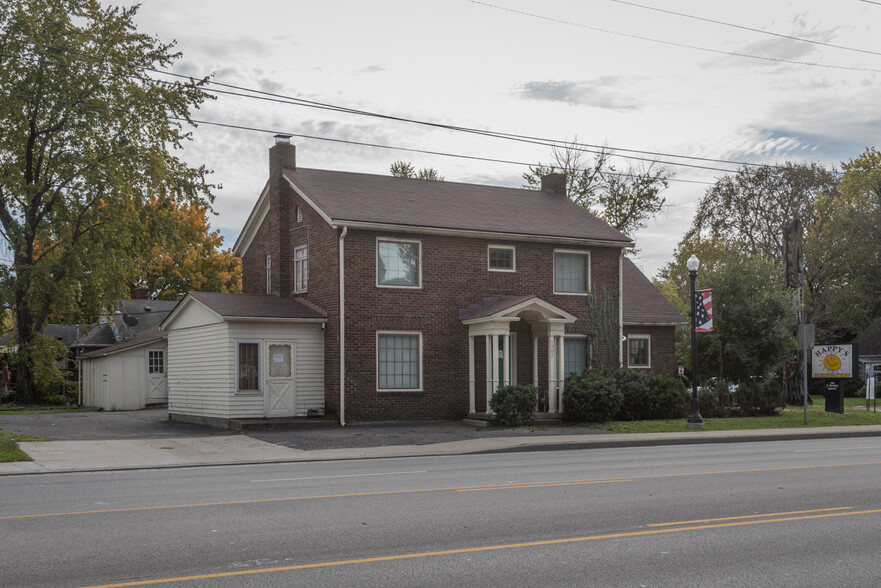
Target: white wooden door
280,371
157,381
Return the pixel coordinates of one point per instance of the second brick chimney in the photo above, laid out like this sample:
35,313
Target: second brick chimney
554,184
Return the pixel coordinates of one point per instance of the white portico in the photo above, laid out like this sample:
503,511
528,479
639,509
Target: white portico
493,321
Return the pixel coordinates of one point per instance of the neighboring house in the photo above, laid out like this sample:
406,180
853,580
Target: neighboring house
126,376
433,294
123,360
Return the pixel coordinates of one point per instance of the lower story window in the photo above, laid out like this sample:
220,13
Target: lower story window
399,361
248,366
574,352
156,362
639,351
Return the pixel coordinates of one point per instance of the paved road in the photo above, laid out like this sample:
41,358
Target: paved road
753,514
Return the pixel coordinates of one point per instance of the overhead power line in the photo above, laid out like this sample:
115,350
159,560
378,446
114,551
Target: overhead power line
745,28
673,43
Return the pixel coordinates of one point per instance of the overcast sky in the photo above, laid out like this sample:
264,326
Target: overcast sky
708,82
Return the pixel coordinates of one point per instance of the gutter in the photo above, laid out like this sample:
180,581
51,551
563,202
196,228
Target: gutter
343,326
621,309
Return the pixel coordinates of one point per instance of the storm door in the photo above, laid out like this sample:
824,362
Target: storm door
280,390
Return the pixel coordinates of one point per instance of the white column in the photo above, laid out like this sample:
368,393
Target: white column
488,370
472,403
561,372
506,360
535,361
552,375
495,364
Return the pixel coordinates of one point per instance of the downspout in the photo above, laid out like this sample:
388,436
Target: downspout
621,309
343,327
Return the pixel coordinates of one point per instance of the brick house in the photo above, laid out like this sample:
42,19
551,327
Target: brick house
435,293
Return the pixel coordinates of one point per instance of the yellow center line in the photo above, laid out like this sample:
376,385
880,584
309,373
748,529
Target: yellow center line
419,490
756,516
426,554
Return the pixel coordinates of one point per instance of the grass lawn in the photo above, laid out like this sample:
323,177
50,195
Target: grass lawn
9,409
791,418
9,450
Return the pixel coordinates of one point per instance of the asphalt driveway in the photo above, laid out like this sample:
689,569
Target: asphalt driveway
153,423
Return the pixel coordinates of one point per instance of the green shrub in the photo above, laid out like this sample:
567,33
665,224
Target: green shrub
514,405
760,398
668,397
717,400
634,395
593,396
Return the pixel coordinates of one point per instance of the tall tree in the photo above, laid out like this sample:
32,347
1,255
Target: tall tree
405,169
87,144
627,200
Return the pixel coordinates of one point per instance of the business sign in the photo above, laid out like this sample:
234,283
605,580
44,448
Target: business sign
832,361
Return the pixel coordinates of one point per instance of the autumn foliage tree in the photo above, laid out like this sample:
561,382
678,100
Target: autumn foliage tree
192,261
88,142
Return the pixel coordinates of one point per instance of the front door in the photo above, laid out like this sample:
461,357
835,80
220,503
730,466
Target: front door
157,382
280,389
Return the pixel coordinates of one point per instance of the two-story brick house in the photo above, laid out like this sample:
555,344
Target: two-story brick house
432,294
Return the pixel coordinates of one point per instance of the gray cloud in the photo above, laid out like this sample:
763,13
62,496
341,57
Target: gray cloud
605,92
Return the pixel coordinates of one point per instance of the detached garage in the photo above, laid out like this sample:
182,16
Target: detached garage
233,356
126,376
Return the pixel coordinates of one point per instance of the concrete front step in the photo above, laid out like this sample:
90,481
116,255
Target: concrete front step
281,423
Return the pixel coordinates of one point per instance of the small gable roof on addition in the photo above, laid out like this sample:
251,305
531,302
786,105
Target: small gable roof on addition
380,202
229,306
643,303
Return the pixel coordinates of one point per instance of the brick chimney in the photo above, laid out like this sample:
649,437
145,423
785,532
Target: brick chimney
554,184
282,156
142,292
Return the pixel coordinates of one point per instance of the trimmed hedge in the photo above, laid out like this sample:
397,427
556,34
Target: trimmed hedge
623,394
514,405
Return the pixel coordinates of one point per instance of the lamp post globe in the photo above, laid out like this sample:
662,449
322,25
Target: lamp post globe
695,420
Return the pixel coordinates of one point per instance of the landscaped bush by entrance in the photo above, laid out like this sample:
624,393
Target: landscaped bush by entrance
761,397
514,405
623,394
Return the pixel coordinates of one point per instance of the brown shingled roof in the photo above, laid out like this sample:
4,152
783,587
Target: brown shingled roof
643,303
386,200
230,305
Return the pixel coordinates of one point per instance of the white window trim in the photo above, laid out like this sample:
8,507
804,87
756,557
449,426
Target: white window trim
259,389
649,351
419,262
155,353
513,249
305,260
587,276
376,354
269,274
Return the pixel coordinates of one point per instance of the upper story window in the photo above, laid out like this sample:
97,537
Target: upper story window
639,351
398,263
301,268
571,272
269,274
501,258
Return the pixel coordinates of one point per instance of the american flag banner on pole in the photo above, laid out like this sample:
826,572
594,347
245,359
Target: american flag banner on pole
703,308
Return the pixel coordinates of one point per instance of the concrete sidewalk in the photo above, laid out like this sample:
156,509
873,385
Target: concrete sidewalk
127,454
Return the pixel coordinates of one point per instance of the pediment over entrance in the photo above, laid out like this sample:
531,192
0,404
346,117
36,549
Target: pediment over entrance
511,308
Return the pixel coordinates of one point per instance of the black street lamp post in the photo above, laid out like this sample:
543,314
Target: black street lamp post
695,420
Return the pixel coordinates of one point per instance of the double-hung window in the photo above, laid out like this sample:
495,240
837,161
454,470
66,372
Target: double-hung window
501,258
301,269
639,351
571,272
574,354
248,366
399,361
398,263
